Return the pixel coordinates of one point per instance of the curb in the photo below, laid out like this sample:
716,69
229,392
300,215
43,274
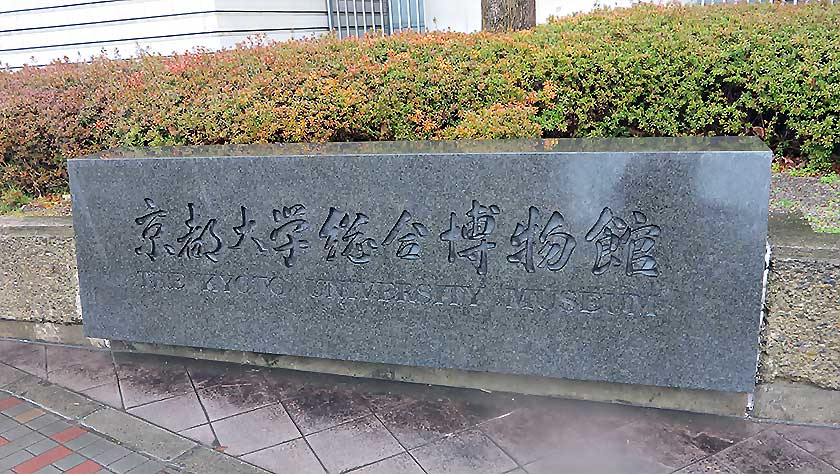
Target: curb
122,427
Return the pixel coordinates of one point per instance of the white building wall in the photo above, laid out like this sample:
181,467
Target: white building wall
455,15
44,30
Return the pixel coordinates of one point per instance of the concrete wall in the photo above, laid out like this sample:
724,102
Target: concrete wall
38,279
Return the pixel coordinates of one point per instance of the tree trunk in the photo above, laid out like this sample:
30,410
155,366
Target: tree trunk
501,15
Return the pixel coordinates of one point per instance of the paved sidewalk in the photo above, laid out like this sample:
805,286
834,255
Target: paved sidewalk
284,421
35,441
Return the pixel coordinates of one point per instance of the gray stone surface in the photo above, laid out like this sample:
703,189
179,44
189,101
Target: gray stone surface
801,335
52,396
38,270
678,309
137,434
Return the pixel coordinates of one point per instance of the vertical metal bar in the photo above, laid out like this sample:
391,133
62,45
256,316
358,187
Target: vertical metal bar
399,14
329,15
408,11
347,18
338,18
425,18
355,19
419,24
364,16
390,17
382,15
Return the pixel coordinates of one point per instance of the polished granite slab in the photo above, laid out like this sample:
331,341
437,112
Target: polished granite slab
623,260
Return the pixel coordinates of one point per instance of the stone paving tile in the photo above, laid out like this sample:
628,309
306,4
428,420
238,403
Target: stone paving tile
42,446
48,470
708,466
674,440
532,433
146,378
79,369
401,463
821,442
222,401
354,444
82,441
9,374
202,434
71,461
108,394
17,409
127,463
149,467
70,433
110,455
769,453
263,428
29,415
176,413
12,460
318,408
96,448
659,449
87,467
465,453
54,427
42,421
293,457
17,432
420,422
42,460
21,443
28,357
209,374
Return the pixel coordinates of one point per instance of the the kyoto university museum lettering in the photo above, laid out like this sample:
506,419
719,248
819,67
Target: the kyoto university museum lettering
536,244
632,261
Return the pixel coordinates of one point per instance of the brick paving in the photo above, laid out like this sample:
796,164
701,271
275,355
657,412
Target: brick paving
33,441
294,422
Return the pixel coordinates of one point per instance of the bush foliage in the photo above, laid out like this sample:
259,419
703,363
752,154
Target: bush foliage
766,70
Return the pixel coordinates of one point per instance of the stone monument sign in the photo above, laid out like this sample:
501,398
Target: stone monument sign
624,260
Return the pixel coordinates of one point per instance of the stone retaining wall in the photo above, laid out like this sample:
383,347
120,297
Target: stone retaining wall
799,366
38,279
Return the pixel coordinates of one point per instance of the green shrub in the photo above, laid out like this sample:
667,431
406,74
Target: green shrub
766,70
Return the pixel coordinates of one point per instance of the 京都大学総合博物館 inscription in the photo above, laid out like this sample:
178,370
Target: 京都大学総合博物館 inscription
635,261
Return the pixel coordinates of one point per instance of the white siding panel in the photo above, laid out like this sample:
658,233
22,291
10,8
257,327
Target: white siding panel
273,5
164,47
113,11
40,31
106,33
125,49
229,40
16,5
125,9
267,21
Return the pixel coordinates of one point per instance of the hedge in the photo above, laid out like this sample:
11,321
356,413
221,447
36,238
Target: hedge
766,70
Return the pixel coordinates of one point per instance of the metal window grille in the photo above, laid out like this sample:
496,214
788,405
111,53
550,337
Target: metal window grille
357,17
